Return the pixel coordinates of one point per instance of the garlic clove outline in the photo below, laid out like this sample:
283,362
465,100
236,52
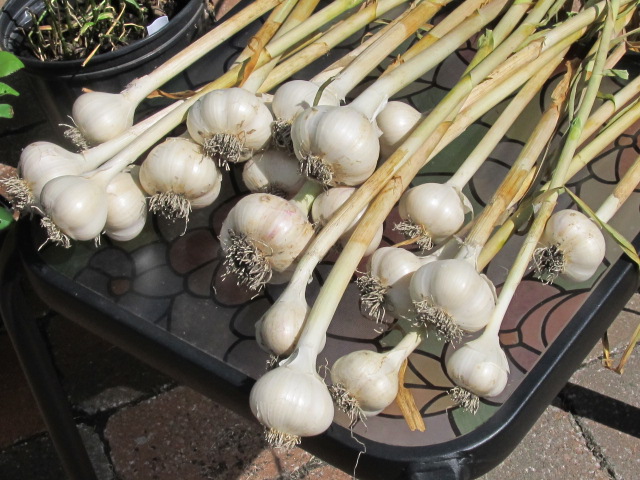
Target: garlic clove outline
273,171
101,116
453,296
231,124
479,368
396,121
126,209
336,146
573,247
292,401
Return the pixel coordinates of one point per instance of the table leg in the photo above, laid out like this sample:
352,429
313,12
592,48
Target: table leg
37,365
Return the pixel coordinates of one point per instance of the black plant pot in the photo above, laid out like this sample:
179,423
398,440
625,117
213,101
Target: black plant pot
58,83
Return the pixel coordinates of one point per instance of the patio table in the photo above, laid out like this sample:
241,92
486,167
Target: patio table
164,298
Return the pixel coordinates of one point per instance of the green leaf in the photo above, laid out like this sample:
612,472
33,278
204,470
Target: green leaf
134,4
607,96
86,27
616,72
6,111
105,16
7,90
9,64
626,246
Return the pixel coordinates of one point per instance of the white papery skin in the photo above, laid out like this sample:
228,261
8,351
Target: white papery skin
76,205
328,202
580,241
127,208
342,137
272,171
396,121
234,111
292,399
293,97
102,116
277,227
393,267
43,161
479,366
438,207
178,165
458,289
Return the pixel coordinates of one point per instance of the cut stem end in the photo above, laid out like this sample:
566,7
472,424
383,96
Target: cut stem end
54,234
281,135
314,168
20,193
170,205
281,440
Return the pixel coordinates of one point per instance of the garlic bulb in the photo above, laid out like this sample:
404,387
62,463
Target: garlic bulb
101,116
335,145
479,368
292,401
263,235
328,202
40,162
290,99
179,177
75,207
231,124
273,171
366,382
432,212
573,248
453,296
385,286
126,208
395,121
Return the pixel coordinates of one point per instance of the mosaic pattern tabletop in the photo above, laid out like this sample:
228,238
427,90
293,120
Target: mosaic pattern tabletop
172,277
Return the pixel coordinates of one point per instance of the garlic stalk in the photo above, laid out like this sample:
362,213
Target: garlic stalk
294,100
452,294
179,177
470,385
339,146
364,382
42,161
101,116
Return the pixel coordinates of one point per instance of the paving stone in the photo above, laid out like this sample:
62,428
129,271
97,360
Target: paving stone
553,449
607,408
621,329
181,434
96,375
19,414
33,460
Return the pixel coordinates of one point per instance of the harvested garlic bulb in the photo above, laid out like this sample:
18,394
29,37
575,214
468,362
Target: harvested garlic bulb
395,121
335,145
273,171
231,124
365,382
479,368
291,99
573,248
328,202
432,212
292,401
179,177
100,116
385,286
262,237
126,208
453,296
75,207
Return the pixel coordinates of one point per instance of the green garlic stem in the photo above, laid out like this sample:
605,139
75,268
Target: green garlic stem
306,195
